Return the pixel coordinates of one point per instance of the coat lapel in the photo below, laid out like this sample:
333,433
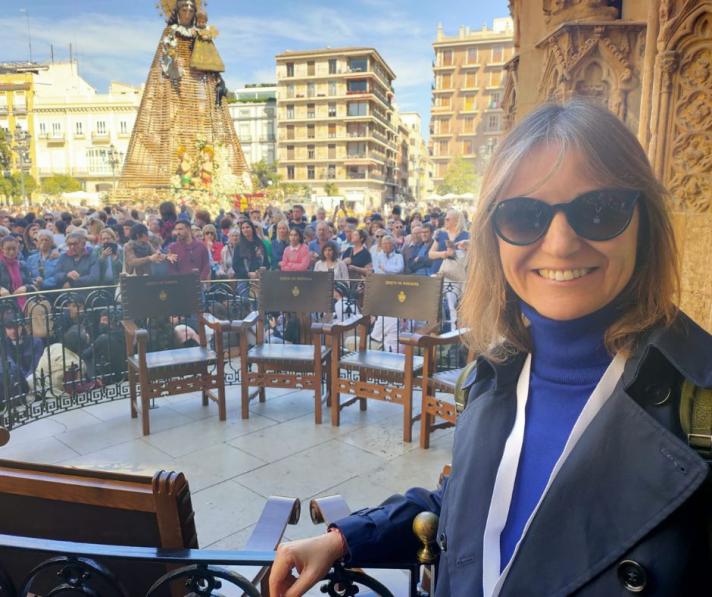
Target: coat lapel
626,474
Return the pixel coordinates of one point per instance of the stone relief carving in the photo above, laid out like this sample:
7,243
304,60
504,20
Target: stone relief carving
598,61
511,91
558,11
687,72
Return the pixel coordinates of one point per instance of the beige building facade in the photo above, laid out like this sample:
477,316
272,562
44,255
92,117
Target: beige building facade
336,123
419,163
78,131
650,62
466,119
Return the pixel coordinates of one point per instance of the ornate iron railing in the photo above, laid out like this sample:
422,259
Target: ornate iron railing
63,350
67,568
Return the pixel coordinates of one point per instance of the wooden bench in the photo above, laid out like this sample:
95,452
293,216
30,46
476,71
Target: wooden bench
69,504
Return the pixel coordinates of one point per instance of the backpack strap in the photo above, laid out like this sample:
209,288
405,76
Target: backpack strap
461,393
696,418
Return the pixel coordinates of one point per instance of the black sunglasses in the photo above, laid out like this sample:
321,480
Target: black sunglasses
596,215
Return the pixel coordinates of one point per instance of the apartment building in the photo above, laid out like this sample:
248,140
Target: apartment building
419,163
254,112
336,123
466,118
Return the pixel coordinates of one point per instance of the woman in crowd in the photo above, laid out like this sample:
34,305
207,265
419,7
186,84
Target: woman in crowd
280,243
572,472
43,262
30,238
250,256
110,256
167,209
15,277
212,244
296,256
388,260
358,258
330,262
227,255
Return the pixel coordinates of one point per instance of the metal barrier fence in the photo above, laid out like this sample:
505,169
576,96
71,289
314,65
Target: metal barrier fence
63,350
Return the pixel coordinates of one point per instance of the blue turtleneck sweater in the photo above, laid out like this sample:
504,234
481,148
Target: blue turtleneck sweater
568,360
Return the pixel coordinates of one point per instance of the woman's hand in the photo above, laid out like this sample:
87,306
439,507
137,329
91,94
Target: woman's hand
312,559
106,252
21,290
156,257
4,292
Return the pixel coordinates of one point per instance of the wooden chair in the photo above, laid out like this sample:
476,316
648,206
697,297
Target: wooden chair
69,504
438,410
280,364
175,371
377,374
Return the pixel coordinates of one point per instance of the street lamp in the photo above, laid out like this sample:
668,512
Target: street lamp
22,150
114,160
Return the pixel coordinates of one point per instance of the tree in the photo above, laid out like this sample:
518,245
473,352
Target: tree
11,186
331,189
265,175
60,183
5,151
460,178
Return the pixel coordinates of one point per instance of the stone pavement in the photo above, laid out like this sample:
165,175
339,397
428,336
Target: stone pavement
232,467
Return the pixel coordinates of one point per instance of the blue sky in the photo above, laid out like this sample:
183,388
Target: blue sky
116,40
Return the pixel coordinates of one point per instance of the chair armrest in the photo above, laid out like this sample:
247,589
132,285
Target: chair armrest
328,509
130,326
339,327
215,324
248,322
422,340
277,513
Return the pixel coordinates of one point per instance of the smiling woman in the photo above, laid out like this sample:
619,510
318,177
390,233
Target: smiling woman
570,474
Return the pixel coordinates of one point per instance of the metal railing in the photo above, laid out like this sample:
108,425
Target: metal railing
65,349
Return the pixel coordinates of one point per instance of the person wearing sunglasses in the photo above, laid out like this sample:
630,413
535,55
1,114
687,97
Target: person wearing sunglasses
571,471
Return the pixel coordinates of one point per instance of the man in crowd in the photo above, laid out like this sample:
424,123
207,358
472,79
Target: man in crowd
387,260
297,220
323,236
420,264
187,254
78,267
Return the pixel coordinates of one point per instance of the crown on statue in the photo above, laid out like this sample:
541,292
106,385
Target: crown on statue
168,6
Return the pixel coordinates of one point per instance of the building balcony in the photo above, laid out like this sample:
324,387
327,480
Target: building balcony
442,90
100,138
3,110
442,135
470,66
56,139
444,67
19,110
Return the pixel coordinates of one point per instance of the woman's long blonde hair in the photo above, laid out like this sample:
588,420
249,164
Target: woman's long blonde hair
614,158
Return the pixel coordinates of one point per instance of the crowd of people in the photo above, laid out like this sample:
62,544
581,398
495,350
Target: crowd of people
86,248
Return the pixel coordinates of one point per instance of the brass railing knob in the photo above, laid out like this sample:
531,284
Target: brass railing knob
425,527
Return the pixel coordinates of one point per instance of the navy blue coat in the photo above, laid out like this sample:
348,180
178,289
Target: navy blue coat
631,489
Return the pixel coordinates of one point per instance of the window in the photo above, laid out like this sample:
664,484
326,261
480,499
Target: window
56,129
357,109
310,131
493,122
358,65
124,127
494,101
447,58
356,150
331,171
471,55
495,78
311,111
468,124
43,128
332,110
290,90
443,101
443,147
497,54
98,161
357,86
332,88
290,69
311,152
290,112
311,172
290,152
332,152
446,81
311,89
443,127
332,66
332,131
311,69
290,172
467,148
470,80
101,127
290,131
468,105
